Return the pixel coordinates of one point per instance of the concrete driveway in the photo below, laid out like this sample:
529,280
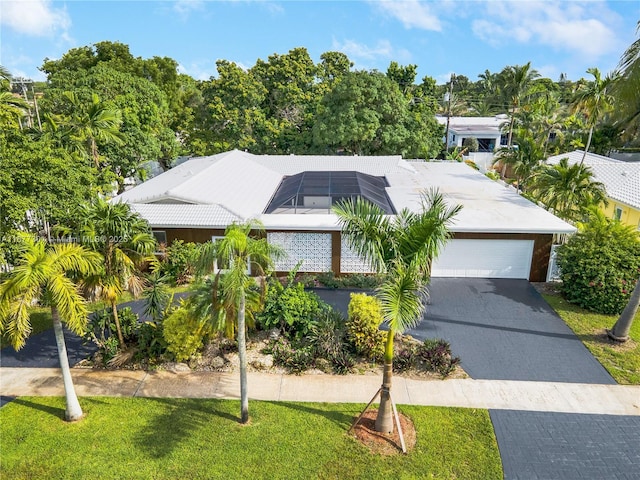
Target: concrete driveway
504,330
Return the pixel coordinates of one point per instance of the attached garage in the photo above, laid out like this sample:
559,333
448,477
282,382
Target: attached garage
485,259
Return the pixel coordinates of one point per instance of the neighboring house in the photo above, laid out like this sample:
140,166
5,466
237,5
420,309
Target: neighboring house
621,180
487,130
498,233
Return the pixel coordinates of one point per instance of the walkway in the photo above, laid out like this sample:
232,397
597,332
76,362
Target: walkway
489,394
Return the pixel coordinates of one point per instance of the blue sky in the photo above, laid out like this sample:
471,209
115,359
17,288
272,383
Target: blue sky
441,37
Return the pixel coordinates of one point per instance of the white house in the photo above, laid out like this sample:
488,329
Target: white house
497,234
487,130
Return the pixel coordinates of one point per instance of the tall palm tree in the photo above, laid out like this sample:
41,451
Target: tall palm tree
404,248
594,99
568,190
45,272
239,253
622,327
90,123
124,239
515,83
627,89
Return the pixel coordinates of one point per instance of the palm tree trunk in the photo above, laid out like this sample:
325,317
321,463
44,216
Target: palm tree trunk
620,331
586,149
384,420
73,411
242,357
114,308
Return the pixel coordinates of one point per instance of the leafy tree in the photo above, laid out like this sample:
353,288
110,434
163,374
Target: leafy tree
404,248
233,113
32,195
124,240
599,265
46,272
239,251
367,114
593,100
568,190
332,68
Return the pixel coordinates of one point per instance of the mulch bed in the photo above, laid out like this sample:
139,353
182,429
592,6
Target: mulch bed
381,443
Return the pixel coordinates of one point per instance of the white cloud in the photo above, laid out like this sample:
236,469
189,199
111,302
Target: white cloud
185,7
199,70
364,56
412,13
35,18
584,28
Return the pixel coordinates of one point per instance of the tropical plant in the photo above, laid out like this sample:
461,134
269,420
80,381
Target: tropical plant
515,83
593,100
626,90
622,327
363,325
599,265
124,240
568,190
46,272
241,253
403,247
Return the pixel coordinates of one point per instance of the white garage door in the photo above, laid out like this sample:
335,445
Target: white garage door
485,259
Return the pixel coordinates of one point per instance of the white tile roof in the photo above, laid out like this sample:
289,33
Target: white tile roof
621,179
168,216
237,185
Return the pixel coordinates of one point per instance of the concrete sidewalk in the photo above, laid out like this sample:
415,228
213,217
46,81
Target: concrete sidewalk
489,394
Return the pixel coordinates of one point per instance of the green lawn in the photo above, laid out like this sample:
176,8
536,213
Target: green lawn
621,360
131,438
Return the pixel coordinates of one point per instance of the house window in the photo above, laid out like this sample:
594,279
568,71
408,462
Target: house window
504,138
160,236
617,213
222,265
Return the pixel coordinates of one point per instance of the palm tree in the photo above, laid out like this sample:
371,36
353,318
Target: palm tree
594,99
125,241
404,248
515,82
622,327
239,252
627,89
524,161
90,123
568,190
46,272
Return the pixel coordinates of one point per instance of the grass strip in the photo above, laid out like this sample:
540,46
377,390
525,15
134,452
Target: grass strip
142,438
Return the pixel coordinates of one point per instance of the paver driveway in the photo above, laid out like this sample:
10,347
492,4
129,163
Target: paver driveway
504,330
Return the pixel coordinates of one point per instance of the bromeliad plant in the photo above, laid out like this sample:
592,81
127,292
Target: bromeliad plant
404,248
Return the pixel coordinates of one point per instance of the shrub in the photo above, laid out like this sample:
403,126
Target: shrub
365,317
151,342
101,330
183,333
178,261
435,356
353,280
471,143
290,308
599,265
405,359
296,359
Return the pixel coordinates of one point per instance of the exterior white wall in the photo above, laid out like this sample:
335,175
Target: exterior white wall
351,262
314,249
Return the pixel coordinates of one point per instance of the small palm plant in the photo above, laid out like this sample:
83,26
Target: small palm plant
404,248
47,272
